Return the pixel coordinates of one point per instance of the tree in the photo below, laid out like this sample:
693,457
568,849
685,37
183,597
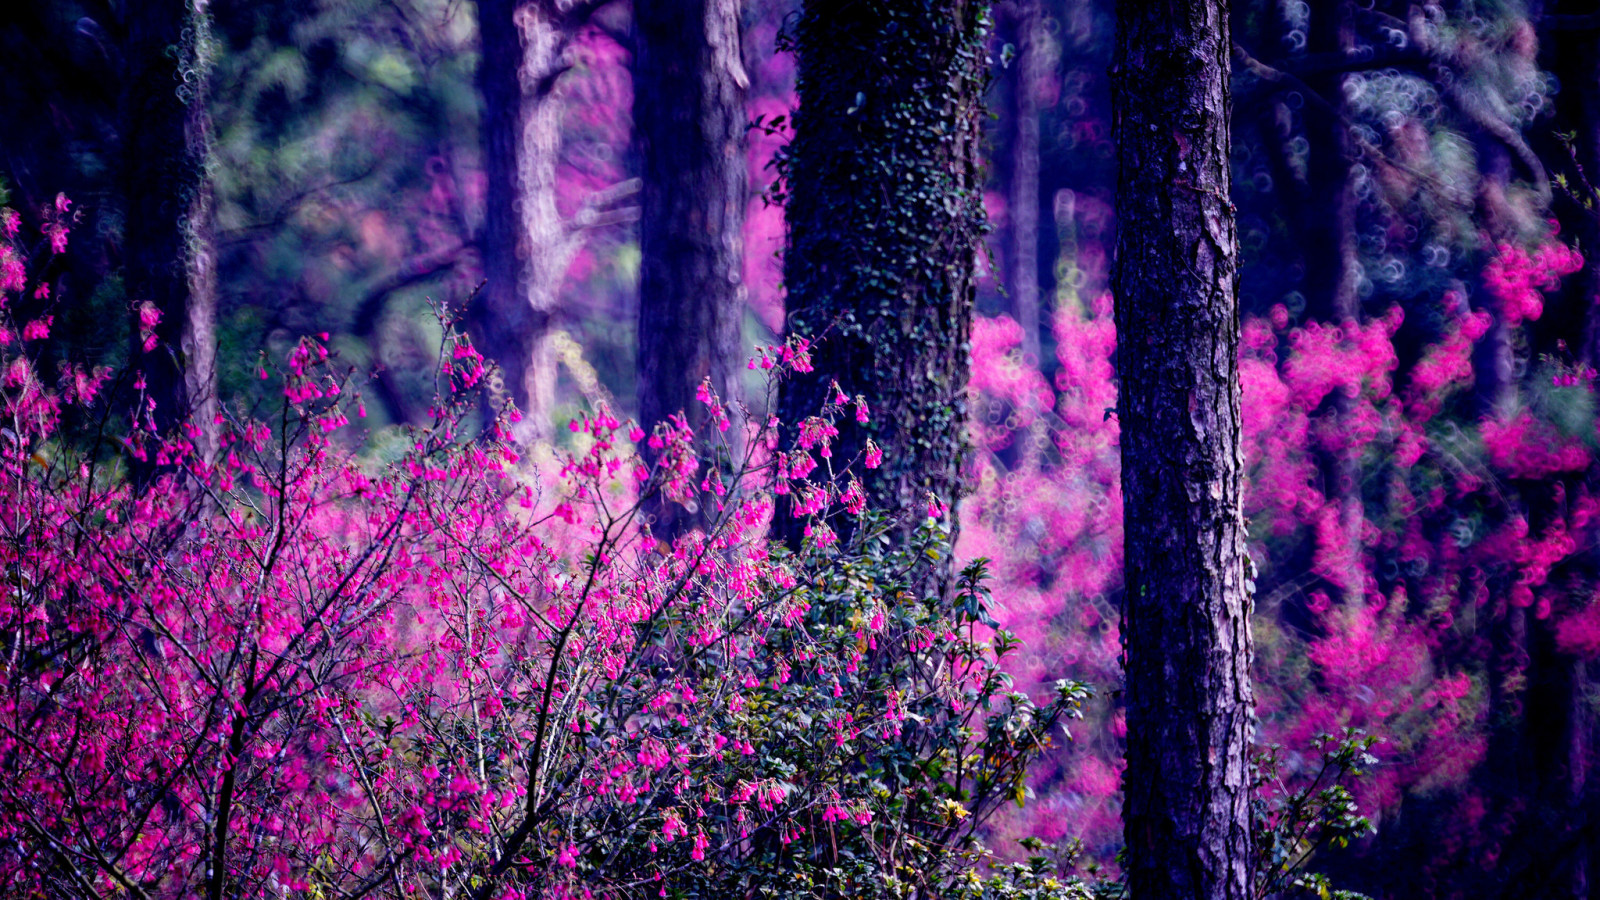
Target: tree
527,46
885,213
1186,623
1027,69
689,86
169,252
1028,73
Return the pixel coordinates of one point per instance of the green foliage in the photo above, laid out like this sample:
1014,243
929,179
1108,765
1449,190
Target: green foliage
890,767
1292,826
345,146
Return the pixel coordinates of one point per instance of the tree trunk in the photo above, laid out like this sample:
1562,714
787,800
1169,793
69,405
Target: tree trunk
1573,57
885,214
1332,273
169,252
1022,190
1186,624
500,320
527,244
1022,204
689,86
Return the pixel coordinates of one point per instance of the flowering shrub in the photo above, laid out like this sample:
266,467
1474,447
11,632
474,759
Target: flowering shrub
297,671
1381,605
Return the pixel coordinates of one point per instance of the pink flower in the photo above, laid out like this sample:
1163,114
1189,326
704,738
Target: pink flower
149,317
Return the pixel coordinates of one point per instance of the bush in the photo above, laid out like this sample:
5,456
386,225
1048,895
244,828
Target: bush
297,671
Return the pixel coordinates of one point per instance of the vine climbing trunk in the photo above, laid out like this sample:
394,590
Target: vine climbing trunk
1186,624
689,87
885,216
169,247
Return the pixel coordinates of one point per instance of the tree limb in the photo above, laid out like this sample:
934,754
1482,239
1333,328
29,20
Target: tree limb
417,270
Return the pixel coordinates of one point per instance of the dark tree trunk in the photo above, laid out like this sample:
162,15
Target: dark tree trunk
169,254
689,85
1186,622
1332,273
527,243
1022,188
500,320
885,214
1573,56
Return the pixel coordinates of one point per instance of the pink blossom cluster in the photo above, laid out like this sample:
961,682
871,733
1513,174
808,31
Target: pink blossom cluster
1516,277
1365,588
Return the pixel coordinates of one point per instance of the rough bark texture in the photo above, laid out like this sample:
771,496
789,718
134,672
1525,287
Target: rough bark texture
1186,624
885,214
689,86
169,252
527,243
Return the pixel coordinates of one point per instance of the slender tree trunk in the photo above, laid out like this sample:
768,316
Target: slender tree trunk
527,243
551,245
1576,56
689,86
500,319
1022,194
1573,56
1186,624
1022,201
885,214
1333,271
169,253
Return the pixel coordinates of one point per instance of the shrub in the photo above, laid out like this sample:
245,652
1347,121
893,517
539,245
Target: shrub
298,671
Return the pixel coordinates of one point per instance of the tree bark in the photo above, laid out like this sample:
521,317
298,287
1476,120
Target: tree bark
885,214
689,86
169,252
527,243
500,321
1186,624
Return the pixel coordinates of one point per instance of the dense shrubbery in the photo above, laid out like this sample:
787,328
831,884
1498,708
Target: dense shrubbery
299,669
